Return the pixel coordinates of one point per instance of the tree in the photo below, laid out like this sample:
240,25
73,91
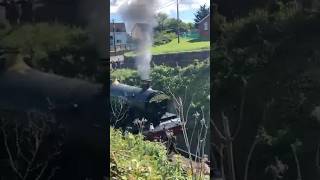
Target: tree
161,19
190,26
218,21
201,13
171,25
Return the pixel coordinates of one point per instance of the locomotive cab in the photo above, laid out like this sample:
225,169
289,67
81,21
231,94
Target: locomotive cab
156,107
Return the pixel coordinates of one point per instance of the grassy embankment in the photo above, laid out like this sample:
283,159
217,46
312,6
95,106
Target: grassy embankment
185,45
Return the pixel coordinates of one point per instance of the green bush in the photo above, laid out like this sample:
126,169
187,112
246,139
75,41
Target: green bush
271,51
163,38
252,42
194,80
133,158
42,38
54,47
195,77
127,76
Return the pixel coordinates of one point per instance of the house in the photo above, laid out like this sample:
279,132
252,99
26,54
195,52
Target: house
204,27
139,29
118,35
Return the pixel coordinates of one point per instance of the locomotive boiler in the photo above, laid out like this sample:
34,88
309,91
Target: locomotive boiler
147,105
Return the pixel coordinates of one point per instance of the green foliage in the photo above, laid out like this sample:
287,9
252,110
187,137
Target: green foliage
271,50
166,24
192,81
250,43
133,158
163,38
159,98
273,46
217,24
202,12
161,18
42,38
55,47
127,76
264,137
194,77
172,24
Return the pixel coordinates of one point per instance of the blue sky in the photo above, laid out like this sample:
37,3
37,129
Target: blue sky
186,16
187,8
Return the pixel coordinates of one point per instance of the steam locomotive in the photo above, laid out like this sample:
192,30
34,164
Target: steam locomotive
78,106
147,106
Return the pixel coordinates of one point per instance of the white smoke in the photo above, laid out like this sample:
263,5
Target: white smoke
143,13
113,2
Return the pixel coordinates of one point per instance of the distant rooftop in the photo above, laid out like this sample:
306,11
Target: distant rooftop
118,27
142,27
206,17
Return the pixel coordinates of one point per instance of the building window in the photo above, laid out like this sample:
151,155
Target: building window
118,41
205,26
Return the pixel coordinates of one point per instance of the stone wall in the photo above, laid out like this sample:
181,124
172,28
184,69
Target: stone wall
181,59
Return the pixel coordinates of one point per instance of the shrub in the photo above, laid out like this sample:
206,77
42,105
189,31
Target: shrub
55,47
133,158
192,81
196,77
163,37
127,76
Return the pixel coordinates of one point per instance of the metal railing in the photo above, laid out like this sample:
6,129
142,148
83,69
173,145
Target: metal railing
121,47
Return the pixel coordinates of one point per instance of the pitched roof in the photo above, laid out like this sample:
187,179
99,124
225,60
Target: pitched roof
118,27
204,18
142,26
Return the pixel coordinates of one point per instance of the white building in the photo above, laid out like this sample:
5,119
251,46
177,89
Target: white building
118,35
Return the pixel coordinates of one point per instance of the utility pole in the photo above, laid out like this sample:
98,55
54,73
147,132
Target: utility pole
178,21
114,38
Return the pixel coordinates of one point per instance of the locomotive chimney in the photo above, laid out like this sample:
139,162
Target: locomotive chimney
10,58
116,82
145,84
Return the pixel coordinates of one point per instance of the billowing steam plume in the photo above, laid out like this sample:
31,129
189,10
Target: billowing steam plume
141,13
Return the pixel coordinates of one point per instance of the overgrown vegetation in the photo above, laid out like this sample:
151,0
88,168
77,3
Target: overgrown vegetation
127,76
133,158
163,38
53,47
193,80
264,66
170,25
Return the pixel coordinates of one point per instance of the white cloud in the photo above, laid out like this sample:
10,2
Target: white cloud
167,6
